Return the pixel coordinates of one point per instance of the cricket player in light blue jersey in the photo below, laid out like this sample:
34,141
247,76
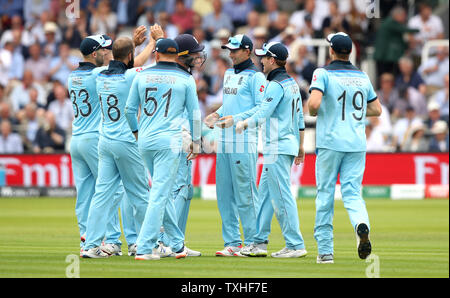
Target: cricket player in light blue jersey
119,158
341,98
163,92
191,54
85,127
236,157
281,114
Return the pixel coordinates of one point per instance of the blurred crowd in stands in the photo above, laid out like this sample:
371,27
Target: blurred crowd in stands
39,42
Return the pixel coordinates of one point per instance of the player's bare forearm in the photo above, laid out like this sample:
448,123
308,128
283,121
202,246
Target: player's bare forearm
314,102
373,108
300,158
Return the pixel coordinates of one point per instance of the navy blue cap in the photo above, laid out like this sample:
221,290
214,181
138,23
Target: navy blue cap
273,49
93,43
188,44
340,42
106,37
166,45
239,41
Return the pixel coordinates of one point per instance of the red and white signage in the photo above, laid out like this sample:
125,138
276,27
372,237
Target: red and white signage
55,170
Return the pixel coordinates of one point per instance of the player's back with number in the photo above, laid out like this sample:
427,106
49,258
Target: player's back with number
341,116
83,94
113,86
163,92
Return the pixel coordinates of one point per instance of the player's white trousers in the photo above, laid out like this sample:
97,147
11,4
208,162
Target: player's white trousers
274,195
163,167
350,167
118,162
237,195
84,156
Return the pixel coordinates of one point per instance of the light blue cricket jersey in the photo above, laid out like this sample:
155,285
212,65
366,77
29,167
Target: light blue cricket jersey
113,86
282,112
243,89
163,92
83,94
341,117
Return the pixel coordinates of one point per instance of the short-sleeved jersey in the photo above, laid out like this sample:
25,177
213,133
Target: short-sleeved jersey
163,93
83,94
341,117
282,112
113,86
243,89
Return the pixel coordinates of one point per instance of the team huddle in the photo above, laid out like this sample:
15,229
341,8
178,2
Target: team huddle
132,120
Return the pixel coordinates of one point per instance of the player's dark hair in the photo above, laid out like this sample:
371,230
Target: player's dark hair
280,63
122,47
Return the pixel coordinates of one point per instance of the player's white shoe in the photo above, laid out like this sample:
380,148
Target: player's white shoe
182,254
255,250
164,251
111,249
229,251
325,259
94,253
290,253
132,250
362,241
193,253
148,257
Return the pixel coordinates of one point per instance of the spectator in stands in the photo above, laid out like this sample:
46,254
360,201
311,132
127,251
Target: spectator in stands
440,140
434,114
388,94
182,17
403,126
62,65
49,137
6,62
441,97
238,11
389,43
335,21
217,20
430,27
170,29
51,44
270,15
126,11
374,136
416,141
311,8
37,64
16,72
304,67
252,25
155,6
33,9
61,107
217,79
408,76
434,70
10,142
104,20
20,94
76,31
279,26
24,37
202,92
29,125
5,113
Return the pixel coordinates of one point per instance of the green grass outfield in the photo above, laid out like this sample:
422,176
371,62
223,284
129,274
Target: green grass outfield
410,239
